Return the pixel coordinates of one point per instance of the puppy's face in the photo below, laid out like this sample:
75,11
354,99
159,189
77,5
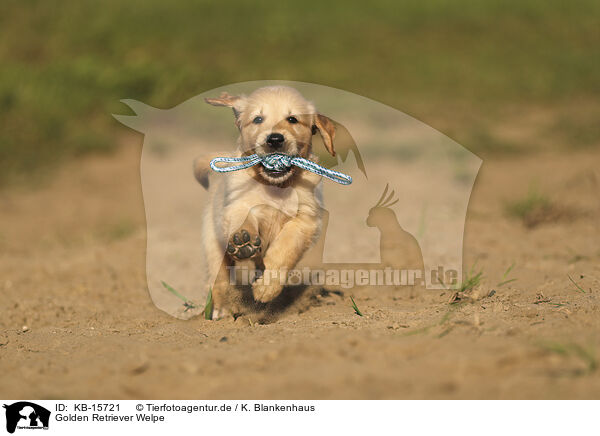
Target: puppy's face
277,120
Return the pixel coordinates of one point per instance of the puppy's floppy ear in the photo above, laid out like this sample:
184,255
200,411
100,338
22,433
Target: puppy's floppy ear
232,101
327,130
223,100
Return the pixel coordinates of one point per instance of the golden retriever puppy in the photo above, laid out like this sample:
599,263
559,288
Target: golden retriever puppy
268,217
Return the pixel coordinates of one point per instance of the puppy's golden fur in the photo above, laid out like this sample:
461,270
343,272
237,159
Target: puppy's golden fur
282,209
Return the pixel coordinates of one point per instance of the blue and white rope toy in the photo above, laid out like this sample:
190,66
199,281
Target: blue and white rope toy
278,162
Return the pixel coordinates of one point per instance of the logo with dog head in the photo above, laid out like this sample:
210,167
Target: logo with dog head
26,415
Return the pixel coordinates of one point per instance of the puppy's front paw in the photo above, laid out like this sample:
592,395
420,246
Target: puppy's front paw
265,292
242,245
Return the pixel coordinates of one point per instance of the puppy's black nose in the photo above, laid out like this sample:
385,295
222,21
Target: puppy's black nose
275,140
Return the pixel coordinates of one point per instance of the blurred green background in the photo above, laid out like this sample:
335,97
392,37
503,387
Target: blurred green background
497,76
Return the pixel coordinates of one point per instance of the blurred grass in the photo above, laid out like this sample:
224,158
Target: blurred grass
452,63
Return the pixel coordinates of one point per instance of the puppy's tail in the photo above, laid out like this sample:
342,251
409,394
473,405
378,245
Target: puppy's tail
202,170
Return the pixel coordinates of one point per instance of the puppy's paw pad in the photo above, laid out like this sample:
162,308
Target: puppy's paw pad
242,245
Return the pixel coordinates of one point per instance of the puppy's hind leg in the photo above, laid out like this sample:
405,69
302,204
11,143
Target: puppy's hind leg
220,290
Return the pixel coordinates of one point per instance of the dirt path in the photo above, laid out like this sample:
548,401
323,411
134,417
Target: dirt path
72,272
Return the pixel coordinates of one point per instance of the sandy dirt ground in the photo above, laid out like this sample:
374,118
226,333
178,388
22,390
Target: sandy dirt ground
76,320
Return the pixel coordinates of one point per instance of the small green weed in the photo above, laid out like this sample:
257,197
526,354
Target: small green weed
355,307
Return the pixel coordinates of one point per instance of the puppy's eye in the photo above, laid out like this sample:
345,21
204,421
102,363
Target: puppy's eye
257,120
292,120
